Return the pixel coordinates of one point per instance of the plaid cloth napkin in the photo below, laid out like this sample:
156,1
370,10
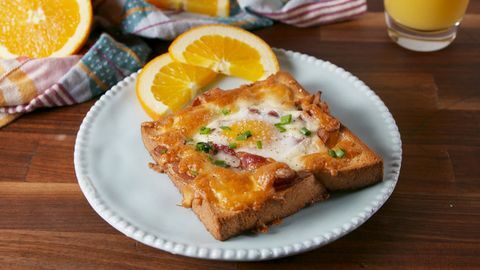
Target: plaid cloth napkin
27,84
304,13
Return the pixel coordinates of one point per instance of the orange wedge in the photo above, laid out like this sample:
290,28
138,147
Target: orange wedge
220,8
226,49
164,85
41,28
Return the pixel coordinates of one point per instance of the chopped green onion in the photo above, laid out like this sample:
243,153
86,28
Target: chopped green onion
280,127
286,119
340,153
225,111
259,144
220,163
305,131
205,130
193,172
241,137
204,147
232,145
244,136
163,151
225,128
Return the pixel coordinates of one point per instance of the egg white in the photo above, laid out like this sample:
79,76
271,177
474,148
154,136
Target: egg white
285,147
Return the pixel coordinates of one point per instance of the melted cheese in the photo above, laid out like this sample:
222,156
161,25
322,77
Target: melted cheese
255,108
288,146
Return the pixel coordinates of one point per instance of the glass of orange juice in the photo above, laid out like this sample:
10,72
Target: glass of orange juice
424,25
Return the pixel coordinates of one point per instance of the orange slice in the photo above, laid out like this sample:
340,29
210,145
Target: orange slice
220,8
164,85
41,28
226,49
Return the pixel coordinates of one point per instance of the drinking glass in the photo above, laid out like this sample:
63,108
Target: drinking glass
424,25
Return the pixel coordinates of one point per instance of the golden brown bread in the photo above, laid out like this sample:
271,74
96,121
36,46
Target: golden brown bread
367,170
322,173
224,224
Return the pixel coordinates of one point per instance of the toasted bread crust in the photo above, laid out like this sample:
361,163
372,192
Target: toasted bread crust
308,188
352,178
224,224
366,172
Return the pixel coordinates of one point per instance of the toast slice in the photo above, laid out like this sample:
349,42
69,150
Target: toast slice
305,155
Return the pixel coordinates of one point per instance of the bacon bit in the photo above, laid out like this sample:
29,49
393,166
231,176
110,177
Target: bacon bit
298,105
273,113
225,149
284,178
254,110
196,102
285,173
317,100
323,135
333,125
250,161
182,175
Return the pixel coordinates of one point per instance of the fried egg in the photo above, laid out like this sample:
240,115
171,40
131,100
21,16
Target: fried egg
268,130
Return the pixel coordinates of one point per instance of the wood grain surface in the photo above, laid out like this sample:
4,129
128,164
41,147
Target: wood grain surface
432,220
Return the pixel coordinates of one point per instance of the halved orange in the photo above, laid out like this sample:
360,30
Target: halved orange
41,28
226,49
219,8
165,85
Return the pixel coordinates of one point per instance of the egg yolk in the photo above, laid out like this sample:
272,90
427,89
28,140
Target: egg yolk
259,130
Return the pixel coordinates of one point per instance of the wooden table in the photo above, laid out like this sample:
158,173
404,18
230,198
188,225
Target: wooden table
431,221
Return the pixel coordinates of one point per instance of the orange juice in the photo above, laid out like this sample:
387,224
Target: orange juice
426,15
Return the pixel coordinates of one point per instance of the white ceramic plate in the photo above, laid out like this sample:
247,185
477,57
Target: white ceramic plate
111,167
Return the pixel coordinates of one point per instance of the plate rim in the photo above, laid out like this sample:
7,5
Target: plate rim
116,221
